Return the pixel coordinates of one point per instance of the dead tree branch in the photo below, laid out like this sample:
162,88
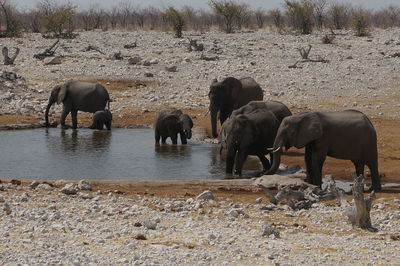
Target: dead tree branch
304,54
359,214
91,47
196,47
9,60
48,52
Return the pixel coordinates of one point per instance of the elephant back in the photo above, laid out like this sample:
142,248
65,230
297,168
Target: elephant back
250,91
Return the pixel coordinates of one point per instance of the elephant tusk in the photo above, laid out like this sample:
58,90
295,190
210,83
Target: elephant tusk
270,149
208,111
277,149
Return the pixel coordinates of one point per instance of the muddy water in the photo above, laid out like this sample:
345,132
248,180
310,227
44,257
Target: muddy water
117,154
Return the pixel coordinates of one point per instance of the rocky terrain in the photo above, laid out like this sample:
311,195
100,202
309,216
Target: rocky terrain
360,73
54,223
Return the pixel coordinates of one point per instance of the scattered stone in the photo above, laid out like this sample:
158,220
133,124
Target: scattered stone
151,225
171,69
70,189
140,237
44,186
270,229
134,60
148,74
52,60
34,184
16,182
206,195
84,185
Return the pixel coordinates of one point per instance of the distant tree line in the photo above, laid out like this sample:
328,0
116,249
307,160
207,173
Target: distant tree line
57,19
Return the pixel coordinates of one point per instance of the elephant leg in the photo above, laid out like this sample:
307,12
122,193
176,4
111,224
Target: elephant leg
64,115
317,162
240,159
157,136
266,164
359,168
174,139
183,137
376,182
74,115
163,139
308,160
108,125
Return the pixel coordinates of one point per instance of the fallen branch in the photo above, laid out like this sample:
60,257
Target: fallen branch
49,52
317,60
359,214
304,53
208,58
9,60
91,47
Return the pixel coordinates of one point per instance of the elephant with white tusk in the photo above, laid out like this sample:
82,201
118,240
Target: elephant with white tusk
77,96
347,135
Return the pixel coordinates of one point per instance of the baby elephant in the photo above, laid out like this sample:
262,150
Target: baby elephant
169,123
101,118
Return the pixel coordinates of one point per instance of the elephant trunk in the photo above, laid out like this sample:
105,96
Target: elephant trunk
214,123
230,160
275,162
277,153
46,114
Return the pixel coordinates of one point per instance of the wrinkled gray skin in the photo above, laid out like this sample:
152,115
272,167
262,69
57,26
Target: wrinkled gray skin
279,109
249,134
170,123
100,119
77,96
228,95
347,135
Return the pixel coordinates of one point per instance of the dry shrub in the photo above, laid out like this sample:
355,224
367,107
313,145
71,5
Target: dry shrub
328,38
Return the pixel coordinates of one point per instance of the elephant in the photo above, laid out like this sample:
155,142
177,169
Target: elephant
347,135
169,123
249,134
279,109
230,94
100,119
77,96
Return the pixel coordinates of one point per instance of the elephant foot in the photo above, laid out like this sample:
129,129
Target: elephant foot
259,173
65,126
375,188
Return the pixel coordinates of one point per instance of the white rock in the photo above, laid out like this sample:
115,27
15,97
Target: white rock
205,195
70,189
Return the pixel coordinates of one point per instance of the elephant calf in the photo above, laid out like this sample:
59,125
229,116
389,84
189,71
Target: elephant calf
170,123
101,119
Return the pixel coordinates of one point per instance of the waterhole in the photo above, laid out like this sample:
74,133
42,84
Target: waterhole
118,154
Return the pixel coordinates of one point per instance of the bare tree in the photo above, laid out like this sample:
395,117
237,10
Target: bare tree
301,15
339,15
227,10
319,9
260,17
277,18
124,12
12,26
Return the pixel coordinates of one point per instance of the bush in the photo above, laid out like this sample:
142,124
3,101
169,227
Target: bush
228,10
360,23
277,19
300,14
338,14
176,20
56,20
328,39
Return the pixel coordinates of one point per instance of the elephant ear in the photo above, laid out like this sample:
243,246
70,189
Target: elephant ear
249,131
234,86
310,129
62,93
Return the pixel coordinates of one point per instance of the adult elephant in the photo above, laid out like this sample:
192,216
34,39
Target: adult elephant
77,96
279,109
170,123
249,134
347,135
230,94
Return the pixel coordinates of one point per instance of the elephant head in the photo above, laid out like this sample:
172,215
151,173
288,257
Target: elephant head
240,134
57,95
298,131
222,95
187,125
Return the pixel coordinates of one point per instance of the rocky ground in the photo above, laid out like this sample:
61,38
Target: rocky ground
168,225
51,223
